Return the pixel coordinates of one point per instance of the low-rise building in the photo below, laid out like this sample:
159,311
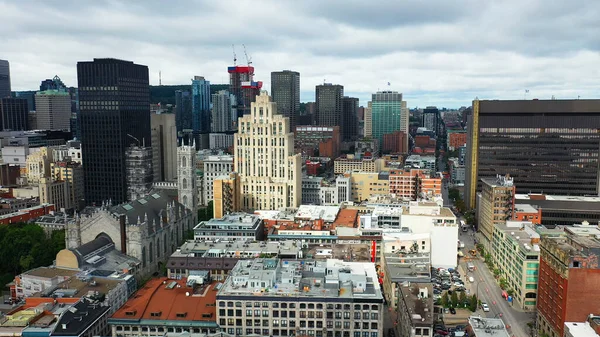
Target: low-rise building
456,139
347,163
231,227
26,214
589,328
39,279
55,192
486,327
86,318
399,268
220,257
311,189
415,310
418,161
165,306
311,297
364,185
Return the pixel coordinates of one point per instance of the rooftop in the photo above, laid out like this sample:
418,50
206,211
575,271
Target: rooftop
556,197
499,181
523,232
311,212
171,300
411,267
584,230
238,249
488,327
78,287
580,329
330,278
344,252
232,221
79,318
49,272
525,208
419,301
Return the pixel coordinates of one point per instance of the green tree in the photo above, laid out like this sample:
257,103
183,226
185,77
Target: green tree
462,299
473,303
445,300
454,193
454,299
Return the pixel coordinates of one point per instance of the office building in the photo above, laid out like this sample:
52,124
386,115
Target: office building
395,142
349,118
569,276
323,141
164,146
114,110
313,297
220,141
243,87
4,79
231,227
29,96
431,119
215,166
495,206
388,114
412,184
349,163
138,168
329,104
365,185
200,107
562,210
368,124
224,115
422,162
270,172
516,253
556,152
38,164
14,114
285,90
53,110
183,110
53,84
72,173
55,192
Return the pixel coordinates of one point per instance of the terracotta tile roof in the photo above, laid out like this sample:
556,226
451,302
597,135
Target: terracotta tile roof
165,299
346,218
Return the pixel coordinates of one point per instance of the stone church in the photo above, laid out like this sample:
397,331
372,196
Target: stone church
150,228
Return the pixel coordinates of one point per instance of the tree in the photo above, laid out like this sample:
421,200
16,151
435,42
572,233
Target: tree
473,303
445,300
454,299
462,299
454,193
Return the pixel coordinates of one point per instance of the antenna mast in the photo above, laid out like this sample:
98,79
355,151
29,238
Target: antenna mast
159,77
234,56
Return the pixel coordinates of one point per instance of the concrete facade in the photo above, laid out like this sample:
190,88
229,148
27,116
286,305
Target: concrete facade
53,110
164,146
215,166
38,165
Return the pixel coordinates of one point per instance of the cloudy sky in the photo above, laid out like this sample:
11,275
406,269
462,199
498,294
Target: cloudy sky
437,52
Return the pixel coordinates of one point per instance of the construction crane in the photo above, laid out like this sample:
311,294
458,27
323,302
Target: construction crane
248,60
234,56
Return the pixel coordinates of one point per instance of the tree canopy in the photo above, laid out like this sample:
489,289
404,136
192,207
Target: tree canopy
26,246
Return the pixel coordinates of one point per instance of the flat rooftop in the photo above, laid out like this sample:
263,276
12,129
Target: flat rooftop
401,267
344,252
316,279
525,197
231,221
163,299
312,212
346,218
76,287
235,248
419,300
50,272
581,230
577,329
488,327
525,208
524,233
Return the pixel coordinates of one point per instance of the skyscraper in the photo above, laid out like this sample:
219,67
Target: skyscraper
53,110
200,105
431,119
546,146
243,87
388,114
14,114
285,90
138,167
224,113
183,110
269,171
164,146
4,79
329,104
349,118
52,84
114,100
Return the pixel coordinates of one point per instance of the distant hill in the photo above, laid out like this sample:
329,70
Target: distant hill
165,94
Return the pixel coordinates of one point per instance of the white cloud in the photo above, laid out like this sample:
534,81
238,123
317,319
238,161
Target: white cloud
437,52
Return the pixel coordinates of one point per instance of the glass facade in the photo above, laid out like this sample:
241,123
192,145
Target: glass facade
114,100
548,147
386,114
329,104
200,105
183,110
285,90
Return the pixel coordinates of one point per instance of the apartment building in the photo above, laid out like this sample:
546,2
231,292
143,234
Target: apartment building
350,163
215,166
496,201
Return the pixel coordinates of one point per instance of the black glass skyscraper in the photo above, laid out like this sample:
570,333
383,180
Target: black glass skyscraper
114,103
285,90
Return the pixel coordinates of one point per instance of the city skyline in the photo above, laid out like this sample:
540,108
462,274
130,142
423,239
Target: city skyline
445,55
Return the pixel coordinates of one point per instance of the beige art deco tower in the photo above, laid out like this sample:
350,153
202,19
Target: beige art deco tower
269,171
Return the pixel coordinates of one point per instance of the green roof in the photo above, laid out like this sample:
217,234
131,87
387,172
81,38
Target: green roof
53,92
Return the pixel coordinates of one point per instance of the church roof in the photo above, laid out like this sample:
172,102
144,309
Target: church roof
154,206
92,246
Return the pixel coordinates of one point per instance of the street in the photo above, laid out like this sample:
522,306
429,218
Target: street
487,290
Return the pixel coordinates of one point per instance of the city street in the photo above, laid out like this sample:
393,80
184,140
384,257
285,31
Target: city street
488,290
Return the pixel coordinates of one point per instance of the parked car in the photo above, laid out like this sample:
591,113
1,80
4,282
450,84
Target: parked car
453,311
446,311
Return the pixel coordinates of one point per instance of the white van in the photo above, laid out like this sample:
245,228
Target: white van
471,279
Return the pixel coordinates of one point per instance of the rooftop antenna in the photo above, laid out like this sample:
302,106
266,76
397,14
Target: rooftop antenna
234,56
525,95
159,78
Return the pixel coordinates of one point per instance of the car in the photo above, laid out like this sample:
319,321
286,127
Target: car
437,291
446,311
458,284
453,311
485,307
460,289
442,332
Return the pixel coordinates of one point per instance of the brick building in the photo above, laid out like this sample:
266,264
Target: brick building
456,139
325,139
395,142
569,279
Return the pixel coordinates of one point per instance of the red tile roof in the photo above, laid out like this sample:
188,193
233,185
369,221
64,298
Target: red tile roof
155,301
